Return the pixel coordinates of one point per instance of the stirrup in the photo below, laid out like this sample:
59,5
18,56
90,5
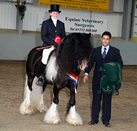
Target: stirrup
40,81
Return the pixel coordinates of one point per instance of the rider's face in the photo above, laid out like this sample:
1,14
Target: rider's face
54,14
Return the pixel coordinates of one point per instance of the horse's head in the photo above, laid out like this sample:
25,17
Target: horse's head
75,51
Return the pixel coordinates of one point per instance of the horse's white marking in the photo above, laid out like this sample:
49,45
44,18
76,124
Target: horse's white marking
73,117
51,69
32,100
41,106
83,64
75,90
37,97
52,115
26,106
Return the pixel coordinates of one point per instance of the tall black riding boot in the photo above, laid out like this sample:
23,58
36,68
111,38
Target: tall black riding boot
42,73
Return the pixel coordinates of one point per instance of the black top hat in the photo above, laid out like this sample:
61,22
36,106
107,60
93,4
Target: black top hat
54,8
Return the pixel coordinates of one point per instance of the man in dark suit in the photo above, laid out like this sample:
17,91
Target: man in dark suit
102,54
49,30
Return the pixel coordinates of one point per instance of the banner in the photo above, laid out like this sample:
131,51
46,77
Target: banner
92,5
79,24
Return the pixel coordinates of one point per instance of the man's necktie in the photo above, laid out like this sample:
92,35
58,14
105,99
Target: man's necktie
104,53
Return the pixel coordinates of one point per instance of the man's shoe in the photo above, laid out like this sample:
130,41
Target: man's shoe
93,122
107,124
40,81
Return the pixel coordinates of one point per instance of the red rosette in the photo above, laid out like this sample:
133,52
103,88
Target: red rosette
57,39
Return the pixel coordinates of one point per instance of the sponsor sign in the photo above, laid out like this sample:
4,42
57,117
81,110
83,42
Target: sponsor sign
92,5
79,24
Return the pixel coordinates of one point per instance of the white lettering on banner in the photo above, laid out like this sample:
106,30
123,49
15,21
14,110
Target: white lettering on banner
81,24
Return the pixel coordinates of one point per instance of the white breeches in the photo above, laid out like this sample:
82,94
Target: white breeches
46,53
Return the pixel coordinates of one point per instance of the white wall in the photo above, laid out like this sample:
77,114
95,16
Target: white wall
16,47
118,5
8,15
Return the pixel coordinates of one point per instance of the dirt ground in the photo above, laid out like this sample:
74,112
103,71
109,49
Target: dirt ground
12,80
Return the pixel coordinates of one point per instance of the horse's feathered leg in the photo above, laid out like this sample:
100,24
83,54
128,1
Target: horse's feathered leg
72,117
52,115
37,97
33,98
42,106
26,106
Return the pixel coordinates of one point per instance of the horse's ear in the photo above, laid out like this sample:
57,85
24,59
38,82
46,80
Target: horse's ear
86,36
89,35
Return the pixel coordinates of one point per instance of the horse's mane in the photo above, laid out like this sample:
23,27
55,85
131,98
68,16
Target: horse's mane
72,50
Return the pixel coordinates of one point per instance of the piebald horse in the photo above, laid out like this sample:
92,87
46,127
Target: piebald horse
63,68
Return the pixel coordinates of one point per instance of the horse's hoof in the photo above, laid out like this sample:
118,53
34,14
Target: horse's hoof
73,117
52,122
26,109
42,108
74,121
52,115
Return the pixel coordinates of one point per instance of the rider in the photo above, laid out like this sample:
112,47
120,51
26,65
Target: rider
50,29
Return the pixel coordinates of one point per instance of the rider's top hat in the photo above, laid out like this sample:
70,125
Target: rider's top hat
54,8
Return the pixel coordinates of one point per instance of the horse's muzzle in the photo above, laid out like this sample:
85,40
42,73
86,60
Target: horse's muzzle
83,65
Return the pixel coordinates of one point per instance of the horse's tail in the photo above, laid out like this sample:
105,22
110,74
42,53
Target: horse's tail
25,87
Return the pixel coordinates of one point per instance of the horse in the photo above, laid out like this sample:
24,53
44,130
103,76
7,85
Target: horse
65,62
